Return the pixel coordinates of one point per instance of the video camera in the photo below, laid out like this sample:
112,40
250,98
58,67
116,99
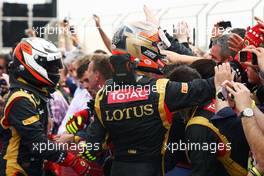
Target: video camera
245,56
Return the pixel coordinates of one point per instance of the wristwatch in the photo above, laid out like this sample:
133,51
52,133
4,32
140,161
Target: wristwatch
248,113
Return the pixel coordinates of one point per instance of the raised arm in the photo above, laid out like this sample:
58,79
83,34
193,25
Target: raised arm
107,41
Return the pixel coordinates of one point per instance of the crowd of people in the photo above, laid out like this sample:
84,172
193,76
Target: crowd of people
152,105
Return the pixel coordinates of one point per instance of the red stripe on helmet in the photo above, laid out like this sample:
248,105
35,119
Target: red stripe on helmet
26,48
18,53
36,75
117,52
19,56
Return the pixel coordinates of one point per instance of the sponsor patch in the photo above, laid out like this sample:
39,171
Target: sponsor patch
184,88
127,95
150,54
132,151
210,107
30,120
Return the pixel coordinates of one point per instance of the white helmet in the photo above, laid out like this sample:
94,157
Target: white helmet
38,62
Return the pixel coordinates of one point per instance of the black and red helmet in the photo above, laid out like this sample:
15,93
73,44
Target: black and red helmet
143,42
37,61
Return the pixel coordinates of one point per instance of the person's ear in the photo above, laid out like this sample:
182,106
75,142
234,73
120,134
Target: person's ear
97,75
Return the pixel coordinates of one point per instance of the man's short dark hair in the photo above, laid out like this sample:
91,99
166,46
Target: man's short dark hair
205,67
225,52
183,73
82,68
169,68
102,65
100,51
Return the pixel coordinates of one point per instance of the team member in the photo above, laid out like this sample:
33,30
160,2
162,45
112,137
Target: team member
135,109
35,74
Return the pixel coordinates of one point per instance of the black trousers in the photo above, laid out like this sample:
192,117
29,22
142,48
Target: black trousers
135,169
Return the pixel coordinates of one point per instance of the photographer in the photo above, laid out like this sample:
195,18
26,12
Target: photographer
252,121
220,50
68,38
214,123
218,30
254,68
259,52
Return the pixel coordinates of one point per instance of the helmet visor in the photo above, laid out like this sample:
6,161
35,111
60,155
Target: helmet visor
54,66
145,30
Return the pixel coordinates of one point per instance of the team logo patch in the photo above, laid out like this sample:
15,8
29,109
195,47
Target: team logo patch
127,95
148,62
30,120
211,107
184,88
132,151
150,54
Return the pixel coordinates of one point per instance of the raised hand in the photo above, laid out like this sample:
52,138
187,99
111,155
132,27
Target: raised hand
97,21
182,32
150,16
77,121
236,43
222,73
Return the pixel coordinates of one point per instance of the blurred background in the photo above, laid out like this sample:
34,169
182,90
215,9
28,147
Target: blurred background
44,16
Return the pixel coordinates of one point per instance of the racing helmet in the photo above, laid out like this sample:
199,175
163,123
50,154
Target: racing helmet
37,61
143,42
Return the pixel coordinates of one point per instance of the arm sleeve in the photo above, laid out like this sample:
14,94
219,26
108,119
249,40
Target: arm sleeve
82,134
32,133
225,113
181,95
177,47
96,133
